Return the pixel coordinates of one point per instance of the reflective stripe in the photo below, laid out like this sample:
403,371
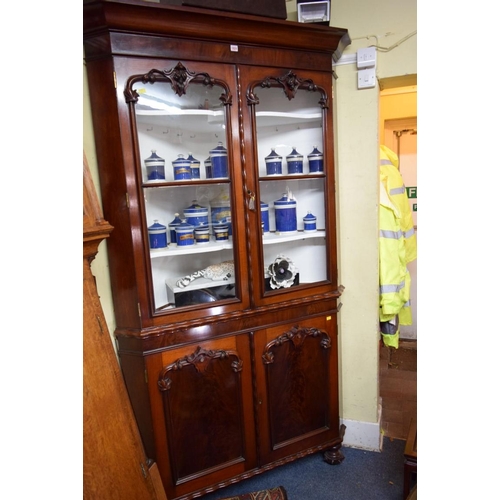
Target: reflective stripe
392,288
399,190
395,235
409,233
385,162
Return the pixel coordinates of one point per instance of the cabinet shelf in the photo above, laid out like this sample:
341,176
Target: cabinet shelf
191,182
199,284
273,238
285,177
173,249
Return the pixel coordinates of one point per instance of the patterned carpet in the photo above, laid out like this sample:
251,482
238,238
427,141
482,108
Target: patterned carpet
277,493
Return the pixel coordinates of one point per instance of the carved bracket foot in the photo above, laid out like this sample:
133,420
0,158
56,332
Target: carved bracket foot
334,455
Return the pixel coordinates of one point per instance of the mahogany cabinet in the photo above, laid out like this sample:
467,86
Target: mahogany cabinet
214,136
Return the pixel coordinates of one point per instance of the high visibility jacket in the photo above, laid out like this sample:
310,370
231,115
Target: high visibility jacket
397,247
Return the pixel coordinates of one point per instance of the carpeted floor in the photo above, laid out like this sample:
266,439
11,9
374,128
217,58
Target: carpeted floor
363,475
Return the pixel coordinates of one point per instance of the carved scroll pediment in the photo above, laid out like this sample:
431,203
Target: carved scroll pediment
296,336
179,78
290,83
200,360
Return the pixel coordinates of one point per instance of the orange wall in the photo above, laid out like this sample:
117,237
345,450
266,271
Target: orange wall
396,103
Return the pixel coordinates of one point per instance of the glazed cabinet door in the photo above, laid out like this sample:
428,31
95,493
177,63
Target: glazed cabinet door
297,388
182,174
202,413
289,115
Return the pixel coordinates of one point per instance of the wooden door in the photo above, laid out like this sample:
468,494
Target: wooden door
297,388
202,412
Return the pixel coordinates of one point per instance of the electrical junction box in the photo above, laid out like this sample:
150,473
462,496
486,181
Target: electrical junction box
366,58
313,12
366,78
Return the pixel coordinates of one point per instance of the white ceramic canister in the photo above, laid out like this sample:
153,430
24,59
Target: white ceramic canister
309,223
155,167
218,157
182,168
157,235
202,235
208,168
315,159
286,214
220,208
173,225
196,215
221,233
274,163
264,216
195,166
185,234
295,162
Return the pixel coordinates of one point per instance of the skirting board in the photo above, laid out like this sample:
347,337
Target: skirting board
363,435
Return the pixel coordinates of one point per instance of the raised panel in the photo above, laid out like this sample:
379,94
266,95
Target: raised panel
296,373
203,411
297,380
203,399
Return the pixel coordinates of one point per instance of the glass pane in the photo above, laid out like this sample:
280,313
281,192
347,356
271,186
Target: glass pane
187,193
292,187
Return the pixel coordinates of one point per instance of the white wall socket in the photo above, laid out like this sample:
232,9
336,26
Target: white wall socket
366,58
366,78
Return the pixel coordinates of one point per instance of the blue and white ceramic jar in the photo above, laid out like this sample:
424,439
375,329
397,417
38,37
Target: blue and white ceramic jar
155,167
195,166
185,234
157,235
173,226
315,159
221,232
218,157
295,162
274,163
202,235
220,208
196,215
182,168
309,223
264,216
286,214
208,168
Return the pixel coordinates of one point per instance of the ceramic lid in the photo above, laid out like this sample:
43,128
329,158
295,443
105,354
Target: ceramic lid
273,156
154,158
220,149
184,225
157,227
180,160
191,159
177,220
315,153
294,155
195,208
285,200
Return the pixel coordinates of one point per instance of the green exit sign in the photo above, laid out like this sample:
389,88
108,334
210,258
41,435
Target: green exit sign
411,192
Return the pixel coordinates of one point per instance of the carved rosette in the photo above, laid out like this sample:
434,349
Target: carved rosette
290,83
179,78
199,359
297,336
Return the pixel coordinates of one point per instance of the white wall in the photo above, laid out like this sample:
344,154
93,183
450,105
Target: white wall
357,154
